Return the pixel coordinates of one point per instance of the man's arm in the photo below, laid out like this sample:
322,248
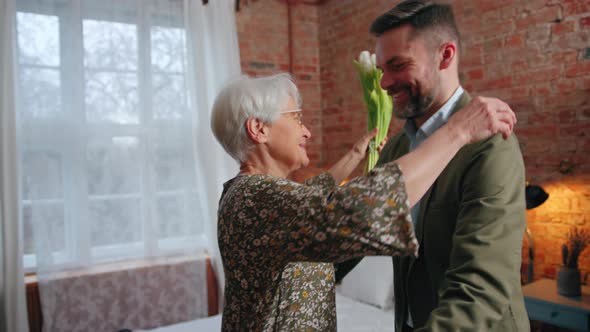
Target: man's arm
485,260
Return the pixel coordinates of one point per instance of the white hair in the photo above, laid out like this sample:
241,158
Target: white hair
248,97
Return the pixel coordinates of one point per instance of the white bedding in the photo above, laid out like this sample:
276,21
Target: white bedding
355,316
352,315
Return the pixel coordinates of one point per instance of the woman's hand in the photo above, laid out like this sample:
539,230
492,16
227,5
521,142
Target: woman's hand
481,118
344,167
359,149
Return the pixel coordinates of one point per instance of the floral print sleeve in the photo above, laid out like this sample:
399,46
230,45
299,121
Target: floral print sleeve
324,180
367,216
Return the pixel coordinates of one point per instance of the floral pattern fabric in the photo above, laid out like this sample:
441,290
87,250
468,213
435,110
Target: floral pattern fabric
266,223
141,295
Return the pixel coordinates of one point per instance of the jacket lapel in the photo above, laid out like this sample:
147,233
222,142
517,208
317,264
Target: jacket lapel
420,225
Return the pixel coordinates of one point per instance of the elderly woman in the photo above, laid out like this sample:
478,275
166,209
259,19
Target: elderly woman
271,230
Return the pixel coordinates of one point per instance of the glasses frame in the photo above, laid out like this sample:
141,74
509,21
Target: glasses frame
299,117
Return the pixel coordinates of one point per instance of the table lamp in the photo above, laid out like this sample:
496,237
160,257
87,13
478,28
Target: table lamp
534,196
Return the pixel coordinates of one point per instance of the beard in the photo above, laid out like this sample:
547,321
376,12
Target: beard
419,102
416,106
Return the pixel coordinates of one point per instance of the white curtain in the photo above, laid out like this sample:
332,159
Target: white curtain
215,59
118,162
13,314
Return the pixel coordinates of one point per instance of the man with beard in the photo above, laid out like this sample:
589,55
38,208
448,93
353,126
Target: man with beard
470,223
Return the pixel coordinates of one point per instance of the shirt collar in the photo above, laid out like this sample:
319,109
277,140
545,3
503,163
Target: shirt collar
437,120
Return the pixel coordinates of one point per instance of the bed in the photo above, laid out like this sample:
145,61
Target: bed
352,315
364,302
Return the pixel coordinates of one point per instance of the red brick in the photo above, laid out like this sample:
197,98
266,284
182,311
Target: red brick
566,86
567,116
516,40
582,68
538,76
497,29
574,40
541,118
576,7
585,22
530,5
562,27
475,74
539,131
578,130
520,92
487,5
541,90
567,57
519,65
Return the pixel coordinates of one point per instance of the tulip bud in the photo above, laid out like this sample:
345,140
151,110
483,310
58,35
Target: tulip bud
365,61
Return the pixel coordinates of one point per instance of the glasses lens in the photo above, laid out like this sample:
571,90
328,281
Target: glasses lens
299,117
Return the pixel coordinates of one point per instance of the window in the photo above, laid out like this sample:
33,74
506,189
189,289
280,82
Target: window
106,132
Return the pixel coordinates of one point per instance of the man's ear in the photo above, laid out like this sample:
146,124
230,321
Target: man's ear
448,52
257,130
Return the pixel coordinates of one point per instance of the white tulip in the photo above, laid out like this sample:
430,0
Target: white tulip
365,61
373,60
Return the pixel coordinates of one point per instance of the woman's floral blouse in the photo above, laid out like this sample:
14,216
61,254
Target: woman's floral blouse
265,223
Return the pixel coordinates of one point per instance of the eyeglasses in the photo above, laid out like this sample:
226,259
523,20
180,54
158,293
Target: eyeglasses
298,115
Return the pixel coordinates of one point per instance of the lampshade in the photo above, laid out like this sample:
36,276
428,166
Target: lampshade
535,196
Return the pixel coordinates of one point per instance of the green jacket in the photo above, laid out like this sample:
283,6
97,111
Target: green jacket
470,228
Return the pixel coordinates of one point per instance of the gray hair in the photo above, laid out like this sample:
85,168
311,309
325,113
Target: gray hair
248,97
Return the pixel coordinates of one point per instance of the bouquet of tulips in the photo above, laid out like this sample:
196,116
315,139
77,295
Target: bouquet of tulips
379,103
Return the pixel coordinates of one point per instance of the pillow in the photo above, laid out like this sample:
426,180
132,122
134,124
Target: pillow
371,282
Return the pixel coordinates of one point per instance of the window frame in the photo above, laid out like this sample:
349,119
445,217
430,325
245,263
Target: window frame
76,198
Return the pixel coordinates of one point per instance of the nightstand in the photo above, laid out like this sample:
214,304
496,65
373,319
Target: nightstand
543,303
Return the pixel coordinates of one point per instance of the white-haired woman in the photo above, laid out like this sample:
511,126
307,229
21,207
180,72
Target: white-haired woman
270,229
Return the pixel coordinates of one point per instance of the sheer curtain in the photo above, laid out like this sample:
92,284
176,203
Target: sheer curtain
215,51
118,161
13,315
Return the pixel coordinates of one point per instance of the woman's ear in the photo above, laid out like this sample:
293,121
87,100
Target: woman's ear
257,130
448,51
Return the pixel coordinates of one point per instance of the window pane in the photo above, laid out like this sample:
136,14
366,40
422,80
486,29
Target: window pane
52,231
114,221
169,97
177,216
42,175
113,169
168,46
110,45
40,93
174,169
196,218
38,39
170,217
112,97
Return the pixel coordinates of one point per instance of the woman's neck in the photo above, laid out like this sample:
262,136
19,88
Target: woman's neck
256,166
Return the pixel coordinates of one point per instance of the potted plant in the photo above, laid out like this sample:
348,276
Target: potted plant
568,276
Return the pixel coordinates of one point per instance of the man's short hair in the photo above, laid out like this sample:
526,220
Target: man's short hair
424,16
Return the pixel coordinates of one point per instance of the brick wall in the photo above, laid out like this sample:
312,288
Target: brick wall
535,54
